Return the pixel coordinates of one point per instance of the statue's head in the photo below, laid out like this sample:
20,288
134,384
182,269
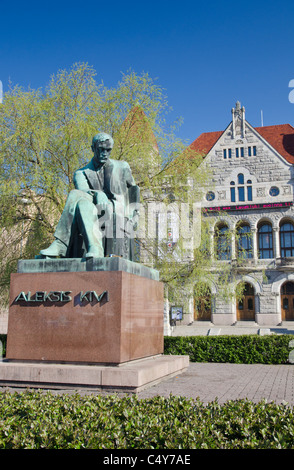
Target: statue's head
102,145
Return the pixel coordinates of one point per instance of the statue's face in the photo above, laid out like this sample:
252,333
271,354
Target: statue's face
102,151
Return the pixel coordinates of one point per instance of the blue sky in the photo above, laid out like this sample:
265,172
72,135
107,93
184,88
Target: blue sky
206,55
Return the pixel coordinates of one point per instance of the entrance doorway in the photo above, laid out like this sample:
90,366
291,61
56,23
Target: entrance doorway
202,303
287,301
246,305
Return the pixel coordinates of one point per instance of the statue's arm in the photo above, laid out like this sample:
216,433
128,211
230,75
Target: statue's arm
128,176
80,181
133,218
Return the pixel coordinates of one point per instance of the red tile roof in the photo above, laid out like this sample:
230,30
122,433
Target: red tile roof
280,137
205,142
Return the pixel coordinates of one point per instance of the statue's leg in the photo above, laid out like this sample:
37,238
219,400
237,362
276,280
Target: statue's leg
66,224
88,224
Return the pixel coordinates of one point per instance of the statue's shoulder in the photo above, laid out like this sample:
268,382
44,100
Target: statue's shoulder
119,163
89,166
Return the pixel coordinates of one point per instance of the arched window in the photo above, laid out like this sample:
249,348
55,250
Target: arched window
243,190
223,242
265,241
240,178
287,239
244,241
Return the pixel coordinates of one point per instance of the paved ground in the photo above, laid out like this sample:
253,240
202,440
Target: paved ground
240,328
209,381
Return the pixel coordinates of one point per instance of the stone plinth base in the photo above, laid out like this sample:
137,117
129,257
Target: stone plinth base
106,317
128,377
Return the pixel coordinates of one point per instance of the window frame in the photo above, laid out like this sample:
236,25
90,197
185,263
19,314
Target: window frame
284,249
222,239
245,239
261,241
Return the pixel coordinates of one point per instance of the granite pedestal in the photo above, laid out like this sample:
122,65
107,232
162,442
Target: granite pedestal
78,323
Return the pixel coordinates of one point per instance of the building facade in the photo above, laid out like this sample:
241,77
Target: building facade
251,202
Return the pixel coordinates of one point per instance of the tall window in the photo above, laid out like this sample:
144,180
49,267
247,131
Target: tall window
244,241
249,190
252,151
241,188
287,239
233,191
227,153
223,242
265,241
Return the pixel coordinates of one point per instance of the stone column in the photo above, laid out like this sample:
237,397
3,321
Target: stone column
254,243
211,236
233,248
276,242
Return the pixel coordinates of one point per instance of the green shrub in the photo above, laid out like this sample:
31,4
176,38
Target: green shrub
246,349
35,420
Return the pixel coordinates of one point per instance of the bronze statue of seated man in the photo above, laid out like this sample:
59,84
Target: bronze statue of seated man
105,197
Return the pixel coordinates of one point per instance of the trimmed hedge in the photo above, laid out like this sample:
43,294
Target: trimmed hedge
246,349
36,420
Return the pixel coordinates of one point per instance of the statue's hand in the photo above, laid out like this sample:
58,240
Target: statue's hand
99,197
104,210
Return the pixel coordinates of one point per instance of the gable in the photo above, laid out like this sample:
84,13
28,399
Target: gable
280,137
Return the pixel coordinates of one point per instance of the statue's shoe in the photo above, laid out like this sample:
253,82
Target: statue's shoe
94,252
57,248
